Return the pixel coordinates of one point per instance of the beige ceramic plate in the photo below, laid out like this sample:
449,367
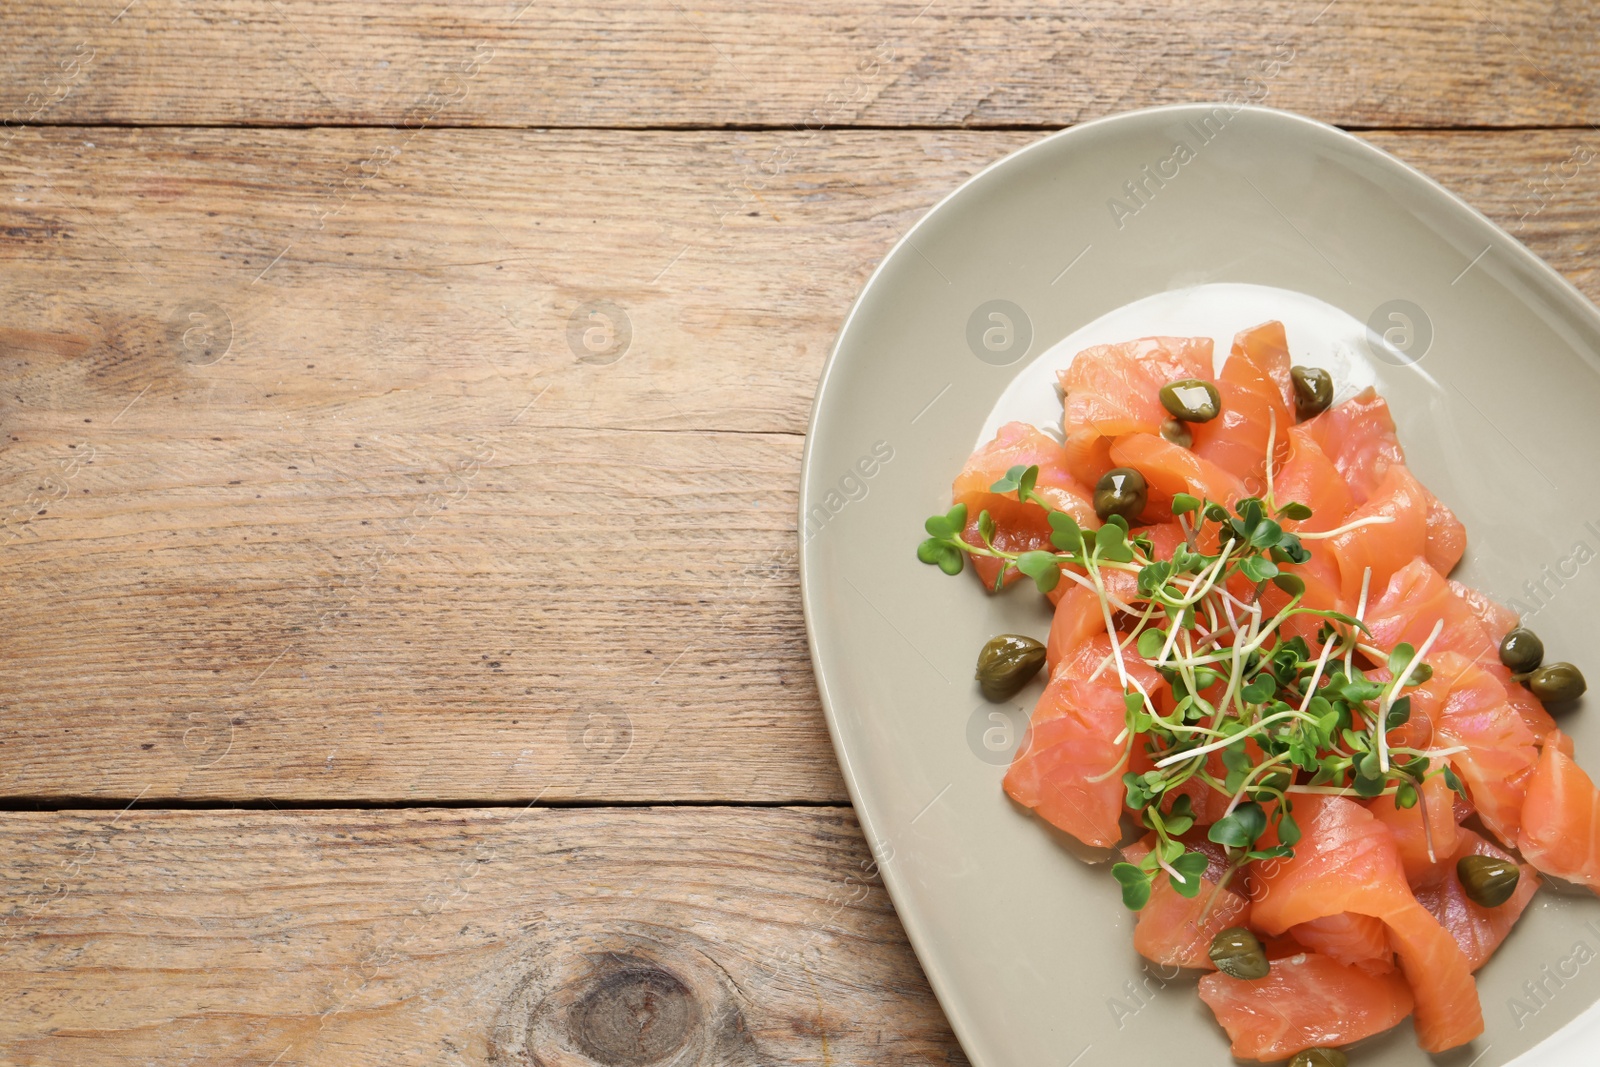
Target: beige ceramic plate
1494,382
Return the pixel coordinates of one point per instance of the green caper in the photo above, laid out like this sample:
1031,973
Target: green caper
1120,491
1521,650
1488,881
1176,432
1191,400
1320,1057
1238,953
1555,683
1313,390
1006,663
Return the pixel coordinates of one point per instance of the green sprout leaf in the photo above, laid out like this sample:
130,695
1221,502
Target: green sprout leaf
1192,867
1135,885
1026,482
1241,829
941,554
1295,511
1011,481
1184,504
1288,830
1065,533
986,527
1151,642
949,524
1111,543
1292,584
1043,567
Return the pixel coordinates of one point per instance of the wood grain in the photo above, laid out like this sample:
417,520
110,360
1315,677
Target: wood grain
397,542
722,62
609,937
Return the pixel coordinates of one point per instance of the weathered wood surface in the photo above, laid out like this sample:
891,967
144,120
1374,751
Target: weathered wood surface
395,938
722,62
343,558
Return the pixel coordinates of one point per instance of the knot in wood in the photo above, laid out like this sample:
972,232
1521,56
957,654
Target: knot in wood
634,1017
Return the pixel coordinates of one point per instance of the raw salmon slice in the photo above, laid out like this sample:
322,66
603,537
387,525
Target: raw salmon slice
1406,827
1176,931
1400,536
1498,620
1416,598
1019,527
1170,470
1353,940
1561,817
1478,930
1358,435
1309,477
1257,401
1305,1001
1109,390
1069,770
1346,861
1468,707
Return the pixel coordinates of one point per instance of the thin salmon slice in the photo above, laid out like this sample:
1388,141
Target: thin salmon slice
1406,827
1019,527
1358,435
1078,617
1309,477
1399,536
1468,707
1354,940
1177,931
1069,771
1170,470
1346,861
1498,620
1560,832
1109,390
1478,930
1305,1001
1415,598
1257,399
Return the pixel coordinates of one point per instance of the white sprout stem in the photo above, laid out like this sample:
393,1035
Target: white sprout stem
1105,661
1388,698
1316,676
1178,757
1272,435
1361,610
1370,520
1105,610
1252,776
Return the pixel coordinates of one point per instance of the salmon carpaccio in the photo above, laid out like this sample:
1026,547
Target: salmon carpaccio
1363,912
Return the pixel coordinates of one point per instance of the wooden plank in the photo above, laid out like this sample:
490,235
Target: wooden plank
345,559
607,937
718,62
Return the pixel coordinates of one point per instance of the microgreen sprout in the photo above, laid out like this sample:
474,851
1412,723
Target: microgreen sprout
1262,697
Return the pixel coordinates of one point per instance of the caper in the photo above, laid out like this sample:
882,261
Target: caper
1120,491
1177,433
1488,881
1238,953
1313,390
1006,663
1320,1057
1521,650
1191,400
1555,683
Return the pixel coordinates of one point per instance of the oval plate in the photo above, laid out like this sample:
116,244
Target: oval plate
1027,947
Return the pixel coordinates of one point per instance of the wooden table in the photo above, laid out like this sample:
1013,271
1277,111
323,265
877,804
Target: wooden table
400,421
